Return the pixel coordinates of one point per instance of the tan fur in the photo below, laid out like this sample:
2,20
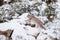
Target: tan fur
6,33
38,21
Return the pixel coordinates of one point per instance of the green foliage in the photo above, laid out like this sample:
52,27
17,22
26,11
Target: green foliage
49,10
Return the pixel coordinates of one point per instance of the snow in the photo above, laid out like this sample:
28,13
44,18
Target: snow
23,32
2,37
26,32
6,7
43,7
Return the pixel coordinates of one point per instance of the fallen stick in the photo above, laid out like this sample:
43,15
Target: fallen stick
36,20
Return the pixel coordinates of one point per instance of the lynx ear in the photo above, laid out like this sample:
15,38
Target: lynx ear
6,33
9,33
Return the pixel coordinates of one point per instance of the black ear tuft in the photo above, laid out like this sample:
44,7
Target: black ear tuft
1,2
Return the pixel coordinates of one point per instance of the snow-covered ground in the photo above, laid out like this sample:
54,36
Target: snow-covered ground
26,32
22,32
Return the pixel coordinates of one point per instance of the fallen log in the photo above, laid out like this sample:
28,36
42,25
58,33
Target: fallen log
38,21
